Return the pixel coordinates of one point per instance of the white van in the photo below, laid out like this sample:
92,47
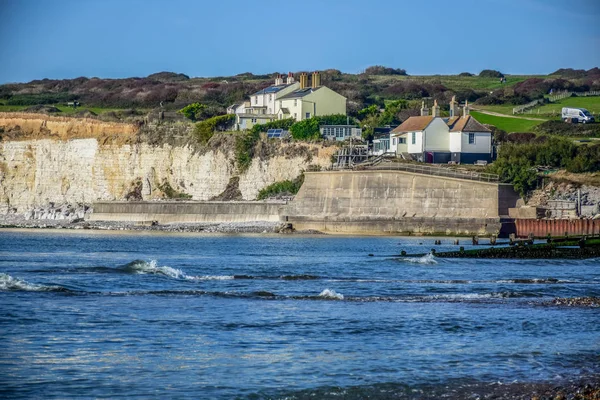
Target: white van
577,115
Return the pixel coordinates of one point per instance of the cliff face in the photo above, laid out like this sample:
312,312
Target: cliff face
63,160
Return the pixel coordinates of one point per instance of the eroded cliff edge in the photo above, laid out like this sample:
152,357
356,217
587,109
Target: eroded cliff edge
59,160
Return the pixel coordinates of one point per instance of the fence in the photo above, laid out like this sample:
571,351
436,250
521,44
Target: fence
527,108
430,170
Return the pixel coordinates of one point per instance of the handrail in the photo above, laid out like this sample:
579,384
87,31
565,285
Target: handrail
429,170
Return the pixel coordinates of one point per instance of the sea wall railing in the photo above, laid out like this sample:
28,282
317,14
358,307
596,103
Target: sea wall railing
427,170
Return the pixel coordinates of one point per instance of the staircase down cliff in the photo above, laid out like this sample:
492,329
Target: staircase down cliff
58,160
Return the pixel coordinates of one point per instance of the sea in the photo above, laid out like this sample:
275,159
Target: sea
93,314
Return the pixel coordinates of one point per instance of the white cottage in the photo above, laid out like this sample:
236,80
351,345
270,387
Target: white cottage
433,139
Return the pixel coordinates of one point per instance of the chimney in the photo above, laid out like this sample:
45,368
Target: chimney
290,78
466,109
424,110
454,107
316,79
435,110
278,80
303,80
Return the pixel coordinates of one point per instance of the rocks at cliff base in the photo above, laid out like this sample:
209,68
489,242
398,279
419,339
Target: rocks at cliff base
68,212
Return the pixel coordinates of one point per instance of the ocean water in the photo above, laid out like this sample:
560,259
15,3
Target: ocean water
93,314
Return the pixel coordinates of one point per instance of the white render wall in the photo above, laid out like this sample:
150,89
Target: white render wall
459,142
418,146
437,136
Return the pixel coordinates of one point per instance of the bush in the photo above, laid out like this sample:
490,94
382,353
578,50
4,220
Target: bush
518,171
587,159
563,129
308,129
490,73
277,124
206,129
41,98
171,193
490,100
465,74
381,70
283,188
244,149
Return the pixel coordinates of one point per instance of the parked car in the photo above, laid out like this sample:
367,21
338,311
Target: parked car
576,115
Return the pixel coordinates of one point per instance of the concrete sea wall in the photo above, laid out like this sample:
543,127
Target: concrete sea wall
380,202
195,212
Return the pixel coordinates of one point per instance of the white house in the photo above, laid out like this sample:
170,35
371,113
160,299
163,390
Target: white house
263,105
307,102
433,139
290,100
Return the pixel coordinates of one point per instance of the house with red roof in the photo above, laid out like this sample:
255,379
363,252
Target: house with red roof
433,139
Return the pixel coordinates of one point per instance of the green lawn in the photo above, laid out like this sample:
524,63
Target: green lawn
505,123
502,108
591,103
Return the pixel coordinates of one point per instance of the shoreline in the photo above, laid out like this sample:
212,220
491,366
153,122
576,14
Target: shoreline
255,227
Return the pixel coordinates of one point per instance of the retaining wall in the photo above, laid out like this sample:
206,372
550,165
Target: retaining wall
399,202
193,212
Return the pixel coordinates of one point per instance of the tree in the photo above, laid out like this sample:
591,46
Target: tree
192,111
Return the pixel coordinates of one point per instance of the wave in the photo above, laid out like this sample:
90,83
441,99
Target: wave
151,267
426,259
8,283
331,294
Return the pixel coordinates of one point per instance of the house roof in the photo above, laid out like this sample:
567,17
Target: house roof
285,110
413,124
300,93
466,124
272,89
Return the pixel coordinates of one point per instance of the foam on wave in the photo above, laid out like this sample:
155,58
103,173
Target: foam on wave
331,294
426,259
7,283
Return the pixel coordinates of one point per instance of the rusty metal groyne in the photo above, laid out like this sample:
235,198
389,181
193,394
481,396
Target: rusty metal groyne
556,227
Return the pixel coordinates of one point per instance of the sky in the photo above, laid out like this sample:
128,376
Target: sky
203,38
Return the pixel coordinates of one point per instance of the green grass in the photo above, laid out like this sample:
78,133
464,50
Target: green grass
505,123
502,109
67,111
592,104
5,108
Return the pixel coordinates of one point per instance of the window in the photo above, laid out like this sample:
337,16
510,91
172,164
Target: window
307,115
471,138
414,138
270,97
393,141
255,99
401,140
254,120
295,116
295,102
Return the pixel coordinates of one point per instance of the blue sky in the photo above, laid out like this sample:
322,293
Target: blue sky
112,39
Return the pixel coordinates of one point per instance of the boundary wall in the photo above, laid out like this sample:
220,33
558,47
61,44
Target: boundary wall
165,212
